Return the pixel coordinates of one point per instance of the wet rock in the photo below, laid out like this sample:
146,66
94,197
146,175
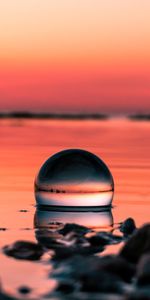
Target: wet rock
24,290
138,295
111,264
48,239
75,267
63,252
66,246
4,296
128,227
90,250
143,272
24,250
104,238
66,287
89,264
93,274
83,296
117,266
95,296
137,245
88,276
101,282
69,227
73,238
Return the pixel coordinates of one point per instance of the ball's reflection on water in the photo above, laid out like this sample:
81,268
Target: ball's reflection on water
95,220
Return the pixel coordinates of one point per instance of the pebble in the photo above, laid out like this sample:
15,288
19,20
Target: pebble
71,227
128,227
24,290
104,238
24,250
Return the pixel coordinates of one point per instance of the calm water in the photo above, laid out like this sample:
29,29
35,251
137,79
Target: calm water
123,145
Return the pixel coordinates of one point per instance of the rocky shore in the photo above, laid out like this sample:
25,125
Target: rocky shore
80,269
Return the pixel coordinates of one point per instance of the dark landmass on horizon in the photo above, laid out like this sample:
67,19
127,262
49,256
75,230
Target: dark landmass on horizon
140,117
70,116
63,116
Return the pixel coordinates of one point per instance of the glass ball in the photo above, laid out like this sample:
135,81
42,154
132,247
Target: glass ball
74,178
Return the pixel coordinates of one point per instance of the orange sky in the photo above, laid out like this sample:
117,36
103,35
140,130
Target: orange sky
75,55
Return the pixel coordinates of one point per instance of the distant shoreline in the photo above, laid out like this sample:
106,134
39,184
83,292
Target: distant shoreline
140,117
70,116
52,116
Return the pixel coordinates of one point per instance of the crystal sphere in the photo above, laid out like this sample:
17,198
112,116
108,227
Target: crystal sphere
75,178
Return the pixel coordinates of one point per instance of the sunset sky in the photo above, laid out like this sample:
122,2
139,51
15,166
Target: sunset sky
75,55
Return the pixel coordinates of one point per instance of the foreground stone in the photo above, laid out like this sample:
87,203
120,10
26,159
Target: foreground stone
128,227
143,272
24,250
137,245
80,274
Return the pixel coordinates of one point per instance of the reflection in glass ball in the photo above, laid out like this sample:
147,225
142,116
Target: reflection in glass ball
75,178
74,171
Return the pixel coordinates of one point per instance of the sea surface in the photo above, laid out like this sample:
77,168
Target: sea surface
124,145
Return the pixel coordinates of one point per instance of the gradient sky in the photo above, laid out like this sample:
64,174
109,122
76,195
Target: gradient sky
75,55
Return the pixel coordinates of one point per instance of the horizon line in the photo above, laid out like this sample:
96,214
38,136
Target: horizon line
70,116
